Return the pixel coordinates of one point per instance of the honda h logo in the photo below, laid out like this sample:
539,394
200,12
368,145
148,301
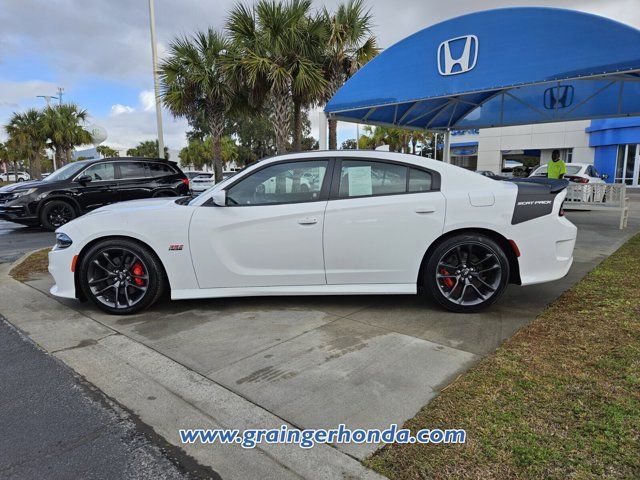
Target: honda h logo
558,97
465,50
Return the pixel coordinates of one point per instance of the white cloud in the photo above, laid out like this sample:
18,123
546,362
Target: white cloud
147,100
119,109
127,130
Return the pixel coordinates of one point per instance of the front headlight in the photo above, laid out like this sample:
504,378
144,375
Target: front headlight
22,193
63,240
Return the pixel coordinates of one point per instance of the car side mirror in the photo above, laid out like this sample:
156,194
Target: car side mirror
219,198
604,176
84,179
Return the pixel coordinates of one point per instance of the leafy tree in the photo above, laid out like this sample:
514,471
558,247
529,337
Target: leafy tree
195,85
275,52
63,126
26,136
147,149
350,144
350,45
106,151
199,153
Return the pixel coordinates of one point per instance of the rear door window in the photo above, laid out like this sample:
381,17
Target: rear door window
362,178
132,170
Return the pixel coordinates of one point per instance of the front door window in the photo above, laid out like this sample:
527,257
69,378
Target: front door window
292,182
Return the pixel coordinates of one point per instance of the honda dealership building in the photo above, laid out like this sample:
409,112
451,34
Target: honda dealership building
611,145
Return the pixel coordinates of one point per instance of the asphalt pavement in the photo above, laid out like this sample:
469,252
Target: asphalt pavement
16,240
55,424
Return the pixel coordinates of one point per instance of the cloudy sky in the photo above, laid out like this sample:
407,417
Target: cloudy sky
99,50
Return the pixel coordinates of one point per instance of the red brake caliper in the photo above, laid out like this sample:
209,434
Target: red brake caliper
448,282
138,270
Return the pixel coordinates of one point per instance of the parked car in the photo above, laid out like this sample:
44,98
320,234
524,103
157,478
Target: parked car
490,174
202,182
373,223
206,180
582,173
82,186
11,177
191,174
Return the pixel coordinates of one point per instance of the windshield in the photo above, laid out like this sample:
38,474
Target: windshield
66,172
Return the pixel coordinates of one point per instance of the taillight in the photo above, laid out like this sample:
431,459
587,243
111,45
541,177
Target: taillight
185,181
576,179
561,211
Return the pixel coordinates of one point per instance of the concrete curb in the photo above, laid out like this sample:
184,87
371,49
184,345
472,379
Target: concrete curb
164,394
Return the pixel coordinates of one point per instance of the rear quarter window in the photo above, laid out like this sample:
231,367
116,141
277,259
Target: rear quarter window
160,170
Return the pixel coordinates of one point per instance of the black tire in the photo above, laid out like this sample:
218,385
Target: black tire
56,213
133,277
466,273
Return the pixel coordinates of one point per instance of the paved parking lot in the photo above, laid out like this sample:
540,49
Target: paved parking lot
364,361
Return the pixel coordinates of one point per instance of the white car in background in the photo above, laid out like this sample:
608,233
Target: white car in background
337,223
206,180
11,177
583,174
202,181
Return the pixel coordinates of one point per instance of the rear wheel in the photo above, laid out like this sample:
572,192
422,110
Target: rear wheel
121,276
56,213
467,273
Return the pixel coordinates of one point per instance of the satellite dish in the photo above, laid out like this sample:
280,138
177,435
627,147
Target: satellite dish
98,133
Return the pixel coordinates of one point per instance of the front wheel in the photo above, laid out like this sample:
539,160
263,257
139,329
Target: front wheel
56,213
121,277
467,273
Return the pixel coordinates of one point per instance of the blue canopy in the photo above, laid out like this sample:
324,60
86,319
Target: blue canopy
509,66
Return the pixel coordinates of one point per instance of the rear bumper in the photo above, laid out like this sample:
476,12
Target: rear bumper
546,249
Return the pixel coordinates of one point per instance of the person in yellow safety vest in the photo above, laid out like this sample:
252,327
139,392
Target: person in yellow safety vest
556,168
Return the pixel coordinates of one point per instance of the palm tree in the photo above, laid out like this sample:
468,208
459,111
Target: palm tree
350,45
26,136
107,151
275,55
63,127
194,85
147,149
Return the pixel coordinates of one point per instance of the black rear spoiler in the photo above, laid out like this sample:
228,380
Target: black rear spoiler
554,185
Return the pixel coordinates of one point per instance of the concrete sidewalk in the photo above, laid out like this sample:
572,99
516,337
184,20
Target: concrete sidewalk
309,362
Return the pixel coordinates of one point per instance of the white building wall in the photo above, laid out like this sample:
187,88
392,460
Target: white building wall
544,137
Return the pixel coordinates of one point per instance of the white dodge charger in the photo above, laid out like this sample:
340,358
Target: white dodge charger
322,223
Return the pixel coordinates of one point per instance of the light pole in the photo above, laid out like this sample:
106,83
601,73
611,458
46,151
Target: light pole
47,98
156,87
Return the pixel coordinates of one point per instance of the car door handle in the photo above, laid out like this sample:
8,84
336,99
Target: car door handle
307,220
423,210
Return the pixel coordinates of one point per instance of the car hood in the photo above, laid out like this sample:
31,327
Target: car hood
20,186
136,205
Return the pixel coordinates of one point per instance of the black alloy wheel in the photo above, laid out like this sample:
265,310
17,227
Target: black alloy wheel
121,276
56,213
467,273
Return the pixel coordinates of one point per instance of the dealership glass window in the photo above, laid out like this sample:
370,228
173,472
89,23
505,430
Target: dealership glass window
101,171
361,178
628,165
132,170
292,182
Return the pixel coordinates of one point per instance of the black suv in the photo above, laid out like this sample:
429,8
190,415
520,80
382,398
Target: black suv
85,185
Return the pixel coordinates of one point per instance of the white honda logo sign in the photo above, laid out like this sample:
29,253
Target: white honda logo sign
465,62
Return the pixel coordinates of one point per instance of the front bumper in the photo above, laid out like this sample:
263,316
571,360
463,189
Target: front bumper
18,214
61,264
